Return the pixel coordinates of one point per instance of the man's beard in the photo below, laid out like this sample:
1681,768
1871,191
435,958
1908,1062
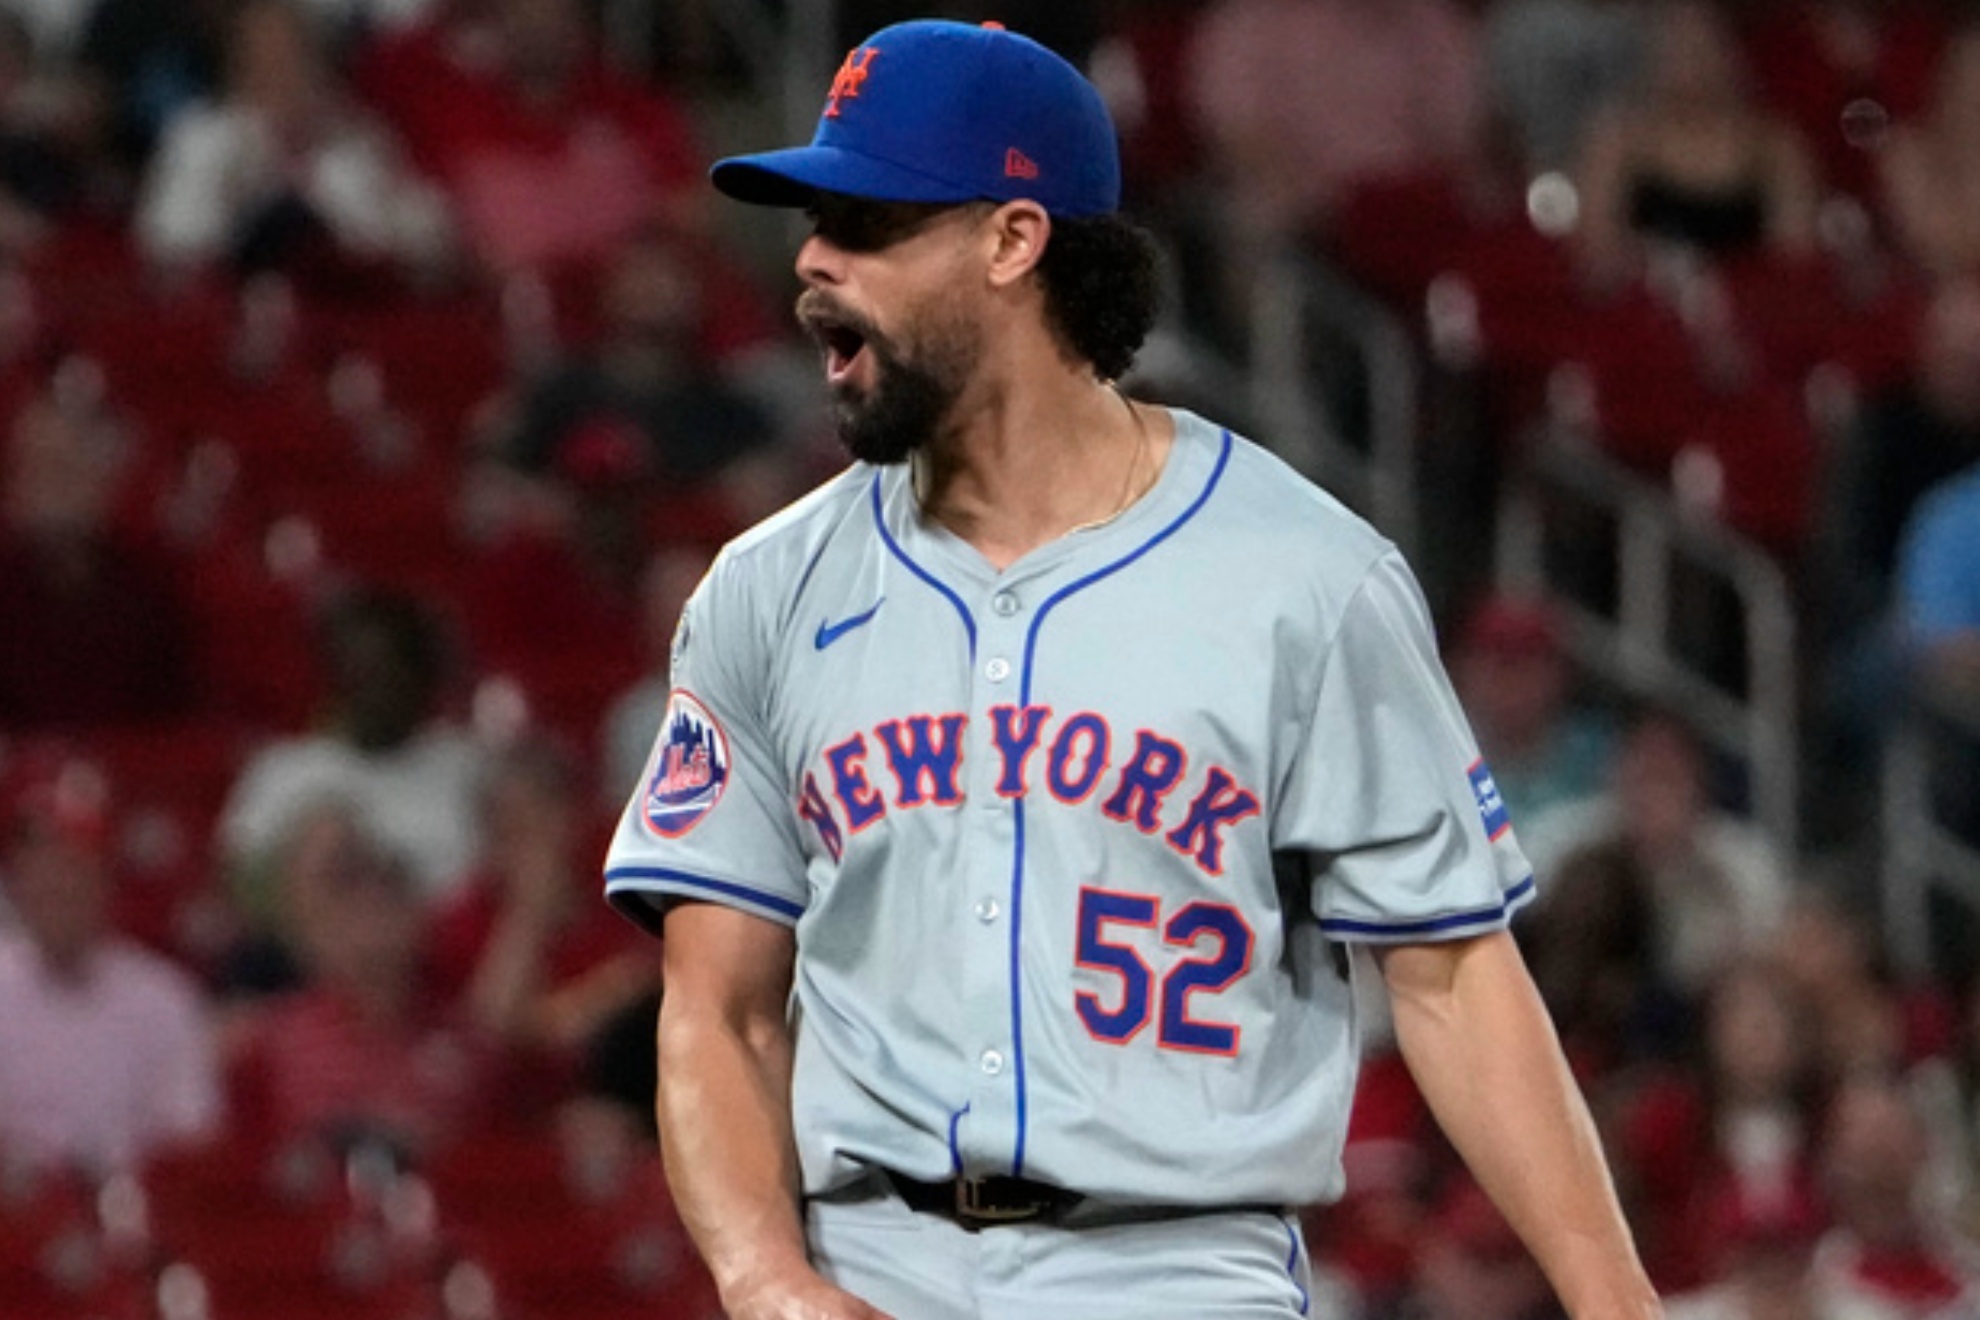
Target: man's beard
915,385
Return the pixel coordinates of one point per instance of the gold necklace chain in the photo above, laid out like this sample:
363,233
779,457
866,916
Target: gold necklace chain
1127,487
1128,491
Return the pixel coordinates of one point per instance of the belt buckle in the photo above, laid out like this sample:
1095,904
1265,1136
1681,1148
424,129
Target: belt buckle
973,1210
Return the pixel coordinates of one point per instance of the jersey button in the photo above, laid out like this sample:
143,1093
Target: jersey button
987,910
997,670
992,1063
1004,603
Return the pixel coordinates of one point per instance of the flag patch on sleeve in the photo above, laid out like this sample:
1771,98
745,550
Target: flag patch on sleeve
1491,807
690,768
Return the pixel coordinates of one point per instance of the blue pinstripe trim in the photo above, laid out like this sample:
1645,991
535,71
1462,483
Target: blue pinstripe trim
622,875
1511,901
955,1150
880,523
1017,998
1017,805
1292,1266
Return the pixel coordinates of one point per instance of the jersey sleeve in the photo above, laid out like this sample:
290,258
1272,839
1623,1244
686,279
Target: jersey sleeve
1387,799
710,818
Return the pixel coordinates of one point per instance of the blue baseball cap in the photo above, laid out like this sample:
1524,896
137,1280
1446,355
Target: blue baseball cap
939,111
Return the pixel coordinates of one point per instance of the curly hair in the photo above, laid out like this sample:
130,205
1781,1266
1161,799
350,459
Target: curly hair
1102,289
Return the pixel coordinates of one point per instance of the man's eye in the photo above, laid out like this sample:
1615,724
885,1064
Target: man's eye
869,228
860,231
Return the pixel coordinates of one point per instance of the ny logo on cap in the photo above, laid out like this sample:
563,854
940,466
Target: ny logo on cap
846,82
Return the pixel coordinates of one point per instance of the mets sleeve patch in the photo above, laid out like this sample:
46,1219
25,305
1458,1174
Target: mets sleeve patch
689,771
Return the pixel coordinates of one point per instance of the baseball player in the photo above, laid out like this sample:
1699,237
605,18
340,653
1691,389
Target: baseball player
1021,784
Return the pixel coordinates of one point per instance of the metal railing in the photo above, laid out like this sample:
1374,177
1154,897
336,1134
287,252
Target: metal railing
1921,855
1632,649
1296,304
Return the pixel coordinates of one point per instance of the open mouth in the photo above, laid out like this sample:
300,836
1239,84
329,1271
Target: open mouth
843,344
843,347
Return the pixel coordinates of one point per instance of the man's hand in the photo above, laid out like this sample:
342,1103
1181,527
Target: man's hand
798,1297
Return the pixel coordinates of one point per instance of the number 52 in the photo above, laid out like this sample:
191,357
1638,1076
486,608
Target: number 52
1195,923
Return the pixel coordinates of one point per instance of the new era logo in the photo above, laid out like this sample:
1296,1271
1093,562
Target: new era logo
1017,165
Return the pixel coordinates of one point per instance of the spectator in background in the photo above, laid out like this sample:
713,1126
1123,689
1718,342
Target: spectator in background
362,1053
50,138
283,170
1730,1131
1690,161
1862,1021
551,157
53,28
385,746
1302,104
640,442
1906,439
630,725
1766,1255
147,61
1593,947
1946,1088
351,20
1715,885
92,628
523,947
697,434
551,600
1931,170
105,1055
1938,612
1517,688
1304,100
1842,72
1552,65
326,839
1886,1249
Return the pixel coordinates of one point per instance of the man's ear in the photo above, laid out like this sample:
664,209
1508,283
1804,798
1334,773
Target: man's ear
1019,231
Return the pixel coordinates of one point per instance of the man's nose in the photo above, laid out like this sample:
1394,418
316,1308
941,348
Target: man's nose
820,261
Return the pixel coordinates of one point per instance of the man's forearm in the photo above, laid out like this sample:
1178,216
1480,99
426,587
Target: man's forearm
725,1131
1481,1047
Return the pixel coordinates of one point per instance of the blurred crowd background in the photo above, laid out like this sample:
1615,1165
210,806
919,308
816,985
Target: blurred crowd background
377,377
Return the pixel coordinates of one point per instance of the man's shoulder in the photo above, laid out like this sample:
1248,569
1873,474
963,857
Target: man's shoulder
758,573
1271,509
793,532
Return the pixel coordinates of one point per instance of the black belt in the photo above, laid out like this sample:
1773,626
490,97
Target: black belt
985,1202
978,1202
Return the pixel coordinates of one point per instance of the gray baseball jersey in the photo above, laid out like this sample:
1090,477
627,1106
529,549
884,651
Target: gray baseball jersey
1065,845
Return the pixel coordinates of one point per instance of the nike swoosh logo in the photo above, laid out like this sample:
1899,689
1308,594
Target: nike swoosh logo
832,632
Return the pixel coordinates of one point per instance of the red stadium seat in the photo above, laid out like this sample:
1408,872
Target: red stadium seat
441,357
57,1262
251,599
397,530
549,1237
249,1232
167,785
